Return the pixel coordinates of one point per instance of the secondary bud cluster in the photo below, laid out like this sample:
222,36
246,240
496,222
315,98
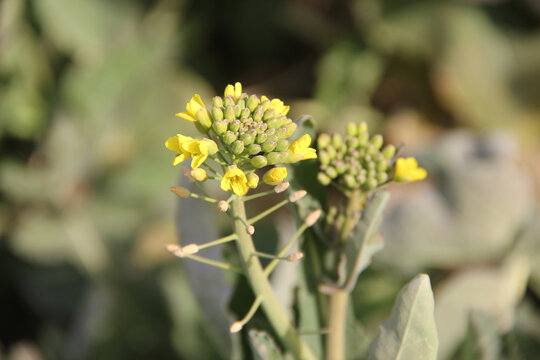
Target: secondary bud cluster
356,161
253,128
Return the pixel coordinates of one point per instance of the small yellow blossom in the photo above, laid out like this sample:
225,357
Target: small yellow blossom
235,180
194,105
252,180
408,170
199,174
199,149
175,144
275,176
278,106
233,91
300,150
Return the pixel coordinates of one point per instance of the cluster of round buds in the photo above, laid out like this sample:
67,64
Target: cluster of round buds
254,129
356,161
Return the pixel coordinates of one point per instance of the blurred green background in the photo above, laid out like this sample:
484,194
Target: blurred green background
88,93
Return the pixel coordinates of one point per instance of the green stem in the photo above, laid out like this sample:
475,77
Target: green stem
261,287
335,340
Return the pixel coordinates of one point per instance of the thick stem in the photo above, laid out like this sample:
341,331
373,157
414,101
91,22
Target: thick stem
261,287
335,340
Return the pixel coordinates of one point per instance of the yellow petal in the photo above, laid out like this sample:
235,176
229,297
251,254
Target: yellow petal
275,176
198,159
229,91
173,144
180,158
194,105
186,116
239,187
237,91
225,183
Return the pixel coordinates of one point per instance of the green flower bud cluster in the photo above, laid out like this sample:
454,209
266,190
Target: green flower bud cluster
355,161
254,129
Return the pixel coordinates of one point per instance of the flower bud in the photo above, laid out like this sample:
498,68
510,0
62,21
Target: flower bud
245,113
350,181
252,103
180,191
220,127
352,142
382,166
389,152
268,114
273,158
312,217
323,178
282,145
234,125
371,183
203,118
332,172
237,147
323,141
272,122
295,256
362,127
229,101
259,161
282,187
217,101
275,175
229,137
331,152
252,180
324,159
381,177
337,141
271,132
282,132
377,141
352,130
223,206
199,174
291,128
236,327
261,138
254,149
257,116
229,112
297,195
268,146
237,111
363,138
246,139
264,105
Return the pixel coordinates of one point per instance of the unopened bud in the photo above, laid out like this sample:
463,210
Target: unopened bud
268,114
223,206
199,174
381,177
203,118
245,113
174,249
187,174
268,146
237,147
236,327
363,139
220,127
229,137
337,141
291,128
180,191
273,158
313,217
259,161
229,112
323,178
246,139
234,125
370,183
350,181
281,187
252,103
389,152
352,130
217,113
282,132
332,172
323,141
362,127
252,180
297,195
261,138
190,249
282,145
250,229
324,159
377,141
295,256
265,105
254,149
217,101
257,116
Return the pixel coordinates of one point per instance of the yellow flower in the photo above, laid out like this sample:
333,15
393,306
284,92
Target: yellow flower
194,105
300,150
175,144
275,176
408,170
199,149
252,180
277,105
235,180
233,91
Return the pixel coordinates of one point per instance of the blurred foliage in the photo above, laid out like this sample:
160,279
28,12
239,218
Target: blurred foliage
88,90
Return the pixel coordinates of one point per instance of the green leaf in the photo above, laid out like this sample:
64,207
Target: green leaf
482,341
263,346
410,332
364,241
